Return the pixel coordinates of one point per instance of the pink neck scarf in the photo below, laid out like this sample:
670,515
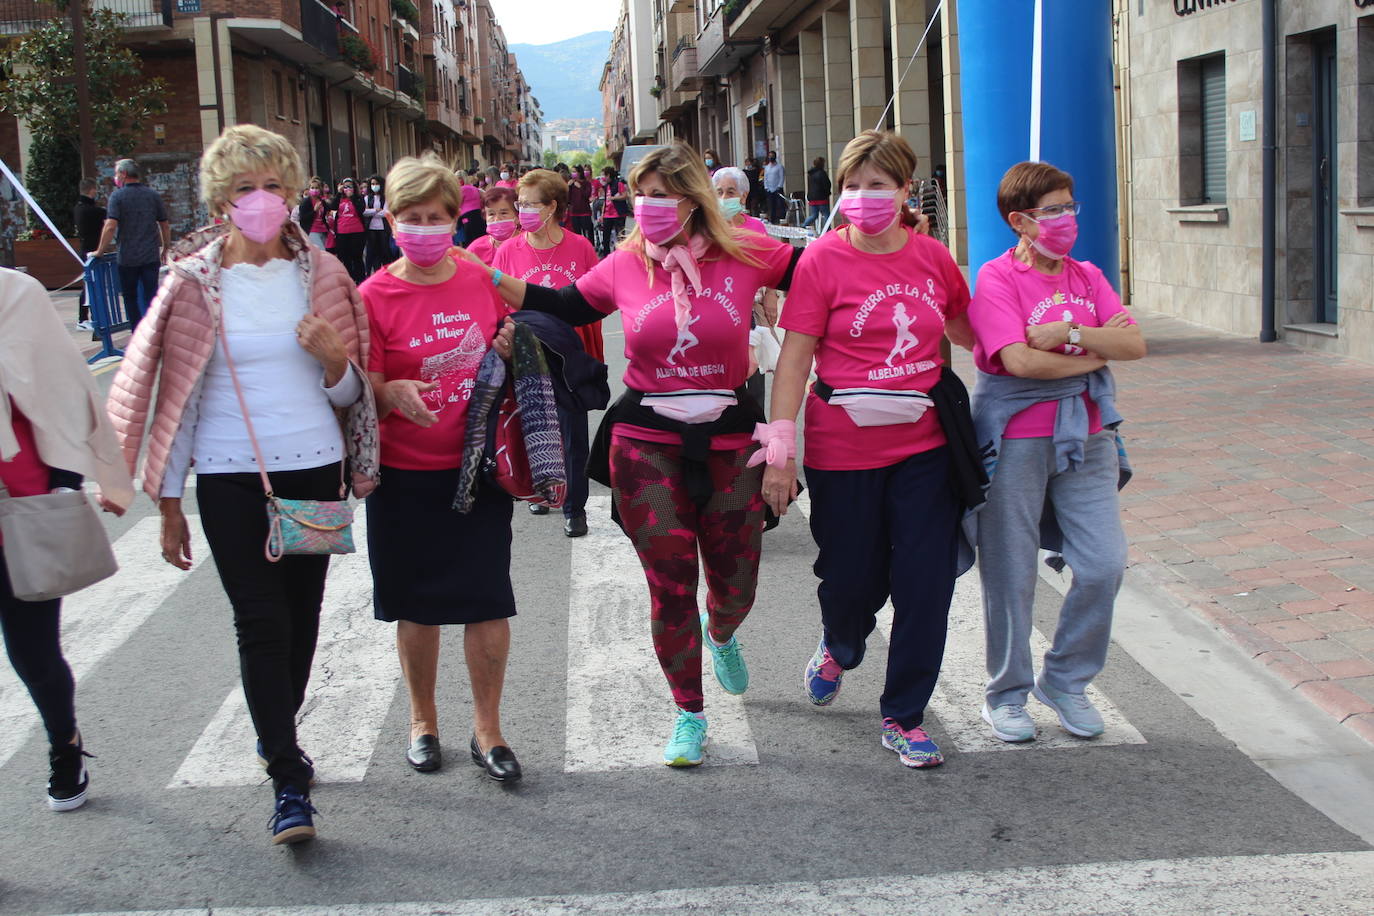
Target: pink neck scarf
681,263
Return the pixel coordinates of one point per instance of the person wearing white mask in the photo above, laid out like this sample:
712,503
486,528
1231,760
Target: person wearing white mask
1045,405
871,303
378,246
675,447
254,346
547,255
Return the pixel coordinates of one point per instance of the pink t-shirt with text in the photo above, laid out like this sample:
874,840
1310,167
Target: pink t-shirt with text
1012,295
437,332
880,319
554,267
713,351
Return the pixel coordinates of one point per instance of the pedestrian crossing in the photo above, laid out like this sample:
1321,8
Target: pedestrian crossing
617,698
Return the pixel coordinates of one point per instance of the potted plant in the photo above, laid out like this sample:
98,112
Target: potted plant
45,259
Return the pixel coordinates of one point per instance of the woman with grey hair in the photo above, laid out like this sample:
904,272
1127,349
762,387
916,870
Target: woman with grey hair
295,325
732,188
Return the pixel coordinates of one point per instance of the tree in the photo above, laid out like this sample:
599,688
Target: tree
51,179
550,159
39,89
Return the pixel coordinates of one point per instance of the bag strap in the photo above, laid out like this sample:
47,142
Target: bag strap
248,421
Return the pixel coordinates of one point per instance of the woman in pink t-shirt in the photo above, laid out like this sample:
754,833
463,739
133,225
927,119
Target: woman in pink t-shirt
547,255
432,317
675,448
499,204
872,303
1044,323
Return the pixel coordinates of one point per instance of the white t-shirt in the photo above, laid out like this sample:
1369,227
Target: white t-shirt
283,385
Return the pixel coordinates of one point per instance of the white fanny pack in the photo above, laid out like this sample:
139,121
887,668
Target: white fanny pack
690,405
880,407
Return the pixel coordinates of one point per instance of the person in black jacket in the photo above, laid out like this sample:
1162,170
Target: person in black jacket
817,194
89,218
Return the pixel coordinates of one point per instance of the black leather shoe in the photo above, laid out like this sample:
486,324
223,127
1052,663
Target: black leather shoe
536,509
424,754
576,526
499,762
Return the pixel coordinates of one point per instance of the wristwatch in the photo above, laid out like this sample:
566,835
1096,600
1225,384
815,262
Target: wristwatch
1075,333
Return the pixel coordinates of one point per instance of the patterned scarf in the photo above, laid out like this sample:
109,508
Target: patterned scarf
538,416
681,263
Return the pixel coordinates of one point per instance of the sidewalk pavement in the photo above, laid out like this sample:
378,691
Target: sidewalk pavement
1253,501
66,302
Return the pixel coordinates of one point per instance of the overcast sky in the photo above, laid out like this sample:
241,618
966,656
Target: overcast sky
541,22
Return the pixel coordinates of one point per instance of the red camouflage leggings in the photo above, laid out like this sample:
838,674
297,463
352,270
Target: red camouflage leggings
667,531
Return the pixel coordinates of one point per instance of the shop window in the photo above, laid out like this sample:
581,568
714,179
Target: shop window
1202,130
1364,120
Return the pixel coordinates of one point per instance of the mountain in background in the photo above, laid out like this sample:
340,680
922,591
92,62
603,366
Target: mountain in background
564,75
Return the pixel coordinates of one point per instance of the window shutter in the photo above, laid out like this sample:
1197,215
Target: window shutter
1213,74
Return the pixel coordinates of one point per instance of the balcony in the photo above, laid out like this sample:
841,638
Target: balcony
683,72
751,20
320,28
19,17
409,83
717,56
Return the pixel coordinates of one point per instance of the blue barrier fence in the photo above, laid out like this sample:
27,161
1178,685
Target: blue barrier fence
106,303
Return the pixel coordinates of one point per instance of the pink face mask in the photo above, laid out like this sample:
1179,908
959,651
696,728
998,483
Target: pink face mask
530,220
1056,236
424,246
501,229
119,182
657,218
871,212
259,215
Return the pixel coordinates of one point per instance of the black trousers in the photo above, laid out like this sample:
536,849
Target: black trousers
139,284
348,247
378,251
32,639
610,232
276,605
582,225
575,449
888,531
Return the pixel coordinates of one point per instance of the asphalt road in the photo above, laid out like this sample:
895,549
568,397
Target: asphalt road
1212,792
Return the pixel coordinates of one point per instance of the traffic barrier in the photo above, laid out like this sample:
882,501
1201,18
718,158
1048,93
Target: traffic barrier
106,302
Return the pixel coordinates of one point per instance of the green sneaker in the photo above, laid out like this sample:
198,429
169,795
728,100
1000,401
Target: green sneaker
727,660
689,737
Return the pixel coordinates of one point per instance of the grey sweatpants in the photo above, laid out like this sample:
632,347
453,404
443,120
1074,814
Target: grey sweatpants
1085,503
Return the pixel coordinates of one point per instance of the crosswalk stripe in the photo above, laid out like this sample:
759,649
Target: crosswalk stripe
352,684
958,698
1331,883
619,710
98,620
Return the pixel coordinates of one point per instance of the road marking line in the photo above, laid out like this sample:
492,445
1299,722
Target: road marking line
1332,884
98,620
958,698
619,709
352,683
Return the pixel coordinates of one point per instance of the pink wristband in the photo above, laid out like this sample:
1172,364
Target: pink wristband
779,441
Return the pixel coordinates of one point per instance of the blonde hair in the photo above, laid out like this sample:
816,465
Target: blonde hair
246,148
886,151
551,186
417,180
682,172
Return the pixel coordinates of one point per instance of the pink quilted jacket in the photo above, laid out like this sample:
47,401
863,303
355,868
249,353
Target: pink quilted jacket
175,340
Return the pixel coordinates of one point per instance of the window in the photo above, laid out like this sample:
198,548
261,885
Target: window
295,101
1202,118
281,96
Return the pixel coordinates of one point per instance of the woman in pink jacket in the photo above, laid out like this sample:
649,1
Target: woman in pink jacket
292,320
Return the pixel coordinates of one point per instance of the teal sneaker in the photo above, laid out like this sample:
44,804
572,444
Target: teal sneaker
727,660
689,737
912,745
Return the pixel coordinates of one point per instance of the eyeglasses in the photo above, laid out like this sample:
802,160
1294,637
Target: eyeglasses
1054,211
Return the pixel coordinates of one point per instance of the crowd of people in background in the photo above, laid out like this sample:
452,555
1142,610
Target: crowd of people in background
395,308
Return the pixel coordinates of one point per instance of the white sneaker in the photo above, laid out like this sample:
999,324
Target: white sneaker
86,325
1010,722
1076,712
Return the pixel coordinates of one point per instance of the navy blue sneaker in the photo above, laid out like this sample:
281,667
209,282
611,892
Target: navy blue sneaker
305,758
291,822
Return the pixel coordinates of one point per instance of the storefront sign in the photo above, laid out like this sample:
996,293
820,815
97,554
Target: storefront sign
188,6
1189,7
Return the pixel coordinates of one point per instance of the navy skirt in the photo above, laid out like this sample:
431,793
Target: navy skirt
431,565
